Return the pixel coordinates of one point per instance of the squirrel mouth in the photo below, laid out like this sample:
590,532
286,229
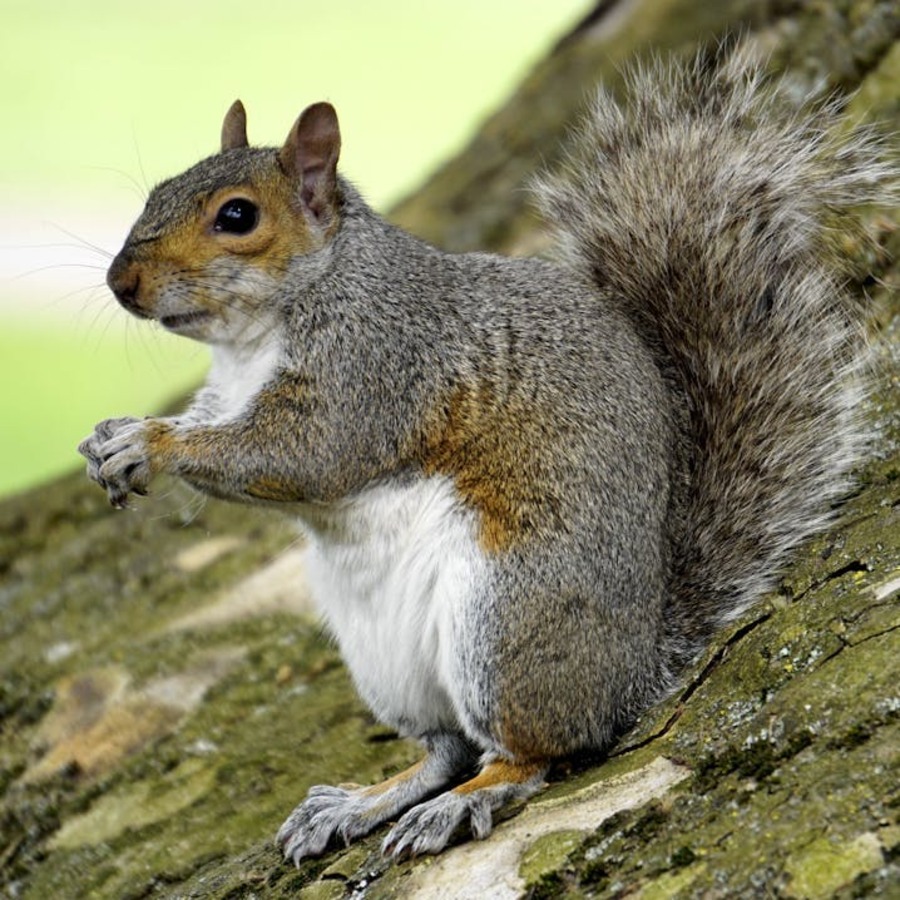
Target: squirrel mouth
183,320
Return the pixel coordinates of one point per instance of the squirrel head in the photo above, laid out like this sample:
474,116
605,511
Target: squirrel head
213,244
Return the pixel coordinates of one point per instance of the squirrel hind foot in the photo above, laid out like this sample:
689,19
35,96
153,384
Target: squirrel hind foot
329,815
430,826
348,813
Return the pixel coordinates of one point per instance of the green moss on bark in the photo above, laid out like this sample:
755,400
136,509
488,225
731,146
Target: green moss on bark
173,773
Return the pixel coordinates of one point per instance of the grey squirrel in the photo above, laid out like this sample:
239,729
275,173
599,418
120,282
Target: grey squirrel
531,490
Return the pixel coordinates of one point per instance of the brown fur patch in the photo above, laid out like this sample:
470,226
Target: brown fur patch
161,443
281,232
501,772
190,247
383,787
527,742
272,489
484,446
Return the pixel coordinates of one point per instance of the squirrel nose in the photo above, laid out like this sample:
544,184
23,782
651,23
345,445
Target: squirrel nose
124,280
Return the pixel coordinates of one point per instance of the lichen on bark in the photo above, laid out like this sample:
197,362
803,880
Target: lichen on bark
166,698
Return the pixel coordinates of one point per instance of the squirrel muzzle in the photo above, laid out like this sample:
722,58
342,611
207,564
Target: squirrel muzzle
124,280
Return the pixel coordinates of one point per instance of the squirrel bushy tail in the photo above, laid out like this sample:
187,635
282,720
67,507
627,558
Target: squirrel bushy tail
700,207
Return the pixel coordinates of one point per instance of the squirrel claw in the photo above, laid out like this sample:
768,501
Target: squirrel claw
118,500
429,827
116,459
328,815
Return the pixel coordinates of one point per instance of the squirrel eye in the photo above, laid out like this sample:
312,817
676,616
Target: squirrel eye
238,216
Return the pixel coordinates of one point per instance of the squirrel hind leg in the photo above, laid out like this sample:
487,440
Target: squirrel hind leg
429,827
349,812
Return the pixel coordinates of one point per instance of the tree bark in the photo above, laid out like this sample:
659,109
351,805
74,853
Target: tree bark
166,697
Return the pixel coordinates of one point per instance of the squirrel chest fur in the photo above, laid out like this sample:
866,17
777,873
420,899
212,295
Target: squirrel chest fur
396,572
530,491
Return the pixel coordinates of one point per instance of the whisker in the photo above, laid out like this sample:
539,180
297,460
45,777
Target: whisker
222,293
140,161
58,245
82,241
51,267
150,345
141,190
102,312
89,294
104,332
193,502
188,515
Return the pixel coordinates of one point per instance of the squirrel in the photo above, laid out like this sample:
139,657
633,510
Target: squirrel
531,490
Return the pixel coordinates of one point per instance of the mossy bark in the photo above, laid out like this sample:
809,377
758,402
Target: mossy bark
166,697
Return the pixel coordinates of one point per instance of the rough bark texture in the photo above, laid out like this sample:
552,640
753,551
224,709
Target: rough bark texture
166,699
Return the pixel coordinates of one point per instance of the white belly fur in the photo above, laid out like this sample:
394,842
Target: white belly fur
392,571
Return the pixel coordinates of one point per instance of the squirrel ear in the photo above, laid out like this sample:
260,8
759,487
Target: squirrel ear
234,128
310,155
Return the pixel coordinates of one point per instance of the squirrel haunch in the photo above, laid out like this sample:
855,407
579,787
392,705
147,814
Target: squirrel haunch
531,491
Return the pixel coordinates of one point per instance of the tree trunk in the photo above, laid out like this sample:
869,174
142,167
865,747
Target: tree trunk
166,697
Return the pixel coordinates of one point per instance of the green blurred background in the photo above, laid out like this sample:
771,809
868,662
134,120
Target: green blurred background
102,99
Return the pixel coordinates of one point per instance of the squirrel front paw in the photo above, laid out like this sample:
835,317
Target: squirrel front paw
118,459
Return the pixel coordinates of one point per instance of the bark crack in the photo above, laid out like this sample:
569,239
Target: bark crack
689,689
